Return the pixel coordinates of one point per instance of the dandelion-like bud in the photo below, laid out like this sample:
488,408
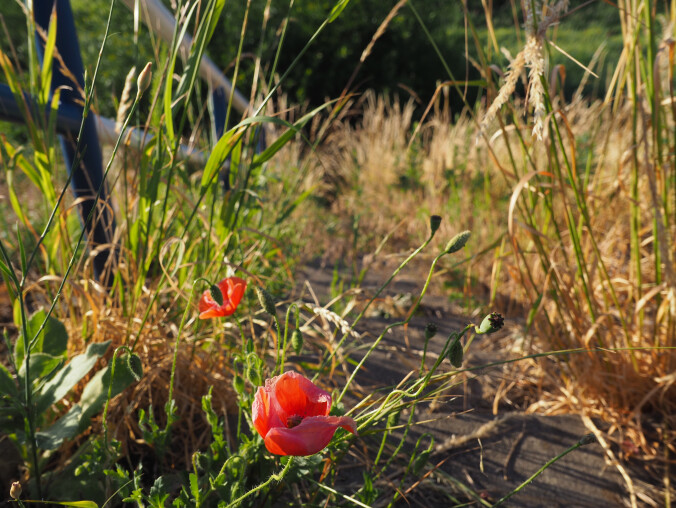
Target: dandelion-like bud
455,354
457,242
143,81
266,301
491,324
435,222
297,341
15,490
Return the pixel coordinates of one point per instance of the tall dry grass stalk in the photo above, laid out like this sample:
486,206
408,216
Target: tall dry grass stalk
567,205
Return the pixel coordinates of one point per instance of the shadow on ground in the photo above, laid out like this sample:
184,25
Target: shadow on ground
483,455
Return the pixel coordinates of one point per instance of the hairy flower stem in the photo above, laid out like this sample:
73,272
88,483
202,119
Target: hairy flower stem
273,478
282,355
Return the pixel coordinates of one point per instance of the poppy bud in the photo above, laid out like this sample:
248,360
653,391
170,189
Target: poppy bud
143,81
238,383
457,242
216,294
393,419
266,301
455,354
135,366
491,323
297,341
435,222
430,331
15,490
587,439
420,462
422,459
253,375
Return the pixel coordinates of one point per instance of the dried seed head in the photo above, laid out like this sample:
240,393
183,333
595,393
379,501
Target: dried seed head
15,490
143,81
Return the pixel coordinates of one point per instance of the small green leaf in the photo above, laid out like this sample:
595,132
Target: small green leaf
57,387
337,9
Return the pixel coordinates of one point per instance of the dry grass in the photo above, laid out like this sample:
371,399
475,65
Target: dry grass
471,185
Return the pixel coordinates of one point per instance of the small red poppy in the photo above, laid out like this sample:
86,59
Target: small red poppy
292,415
232,289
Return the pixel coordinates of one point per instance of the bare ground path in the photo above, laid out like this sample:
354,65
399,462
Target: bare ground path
490,453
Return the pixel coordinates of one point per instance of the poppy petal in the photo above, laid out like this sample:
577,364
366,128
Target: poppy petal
232,289
263,415
311,436
295,395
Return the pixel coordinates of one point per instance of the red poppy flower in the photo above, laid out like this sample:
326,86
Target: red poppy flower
232,289
292,415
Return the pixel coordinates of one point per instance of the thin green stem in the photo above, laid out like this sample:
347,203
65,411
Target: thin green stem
589,438
368,304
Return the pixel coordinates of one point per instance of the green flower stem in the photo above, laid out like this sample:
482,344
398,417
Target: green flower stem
399,323
419,385
104,417
286,335
395,453
273,478
280,354
585,440
188,309
368,304
20,286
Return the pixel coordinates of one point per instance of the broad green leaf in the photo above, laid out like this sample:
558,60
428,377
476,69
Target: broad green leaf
7,384
57,387
216,14
168,84
65,427
74,504
95,393
48,58
53,339
41,365
218,155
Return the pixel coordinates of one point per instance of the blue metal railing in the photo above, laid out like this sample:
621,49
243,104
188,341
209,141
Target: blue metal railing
83,156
